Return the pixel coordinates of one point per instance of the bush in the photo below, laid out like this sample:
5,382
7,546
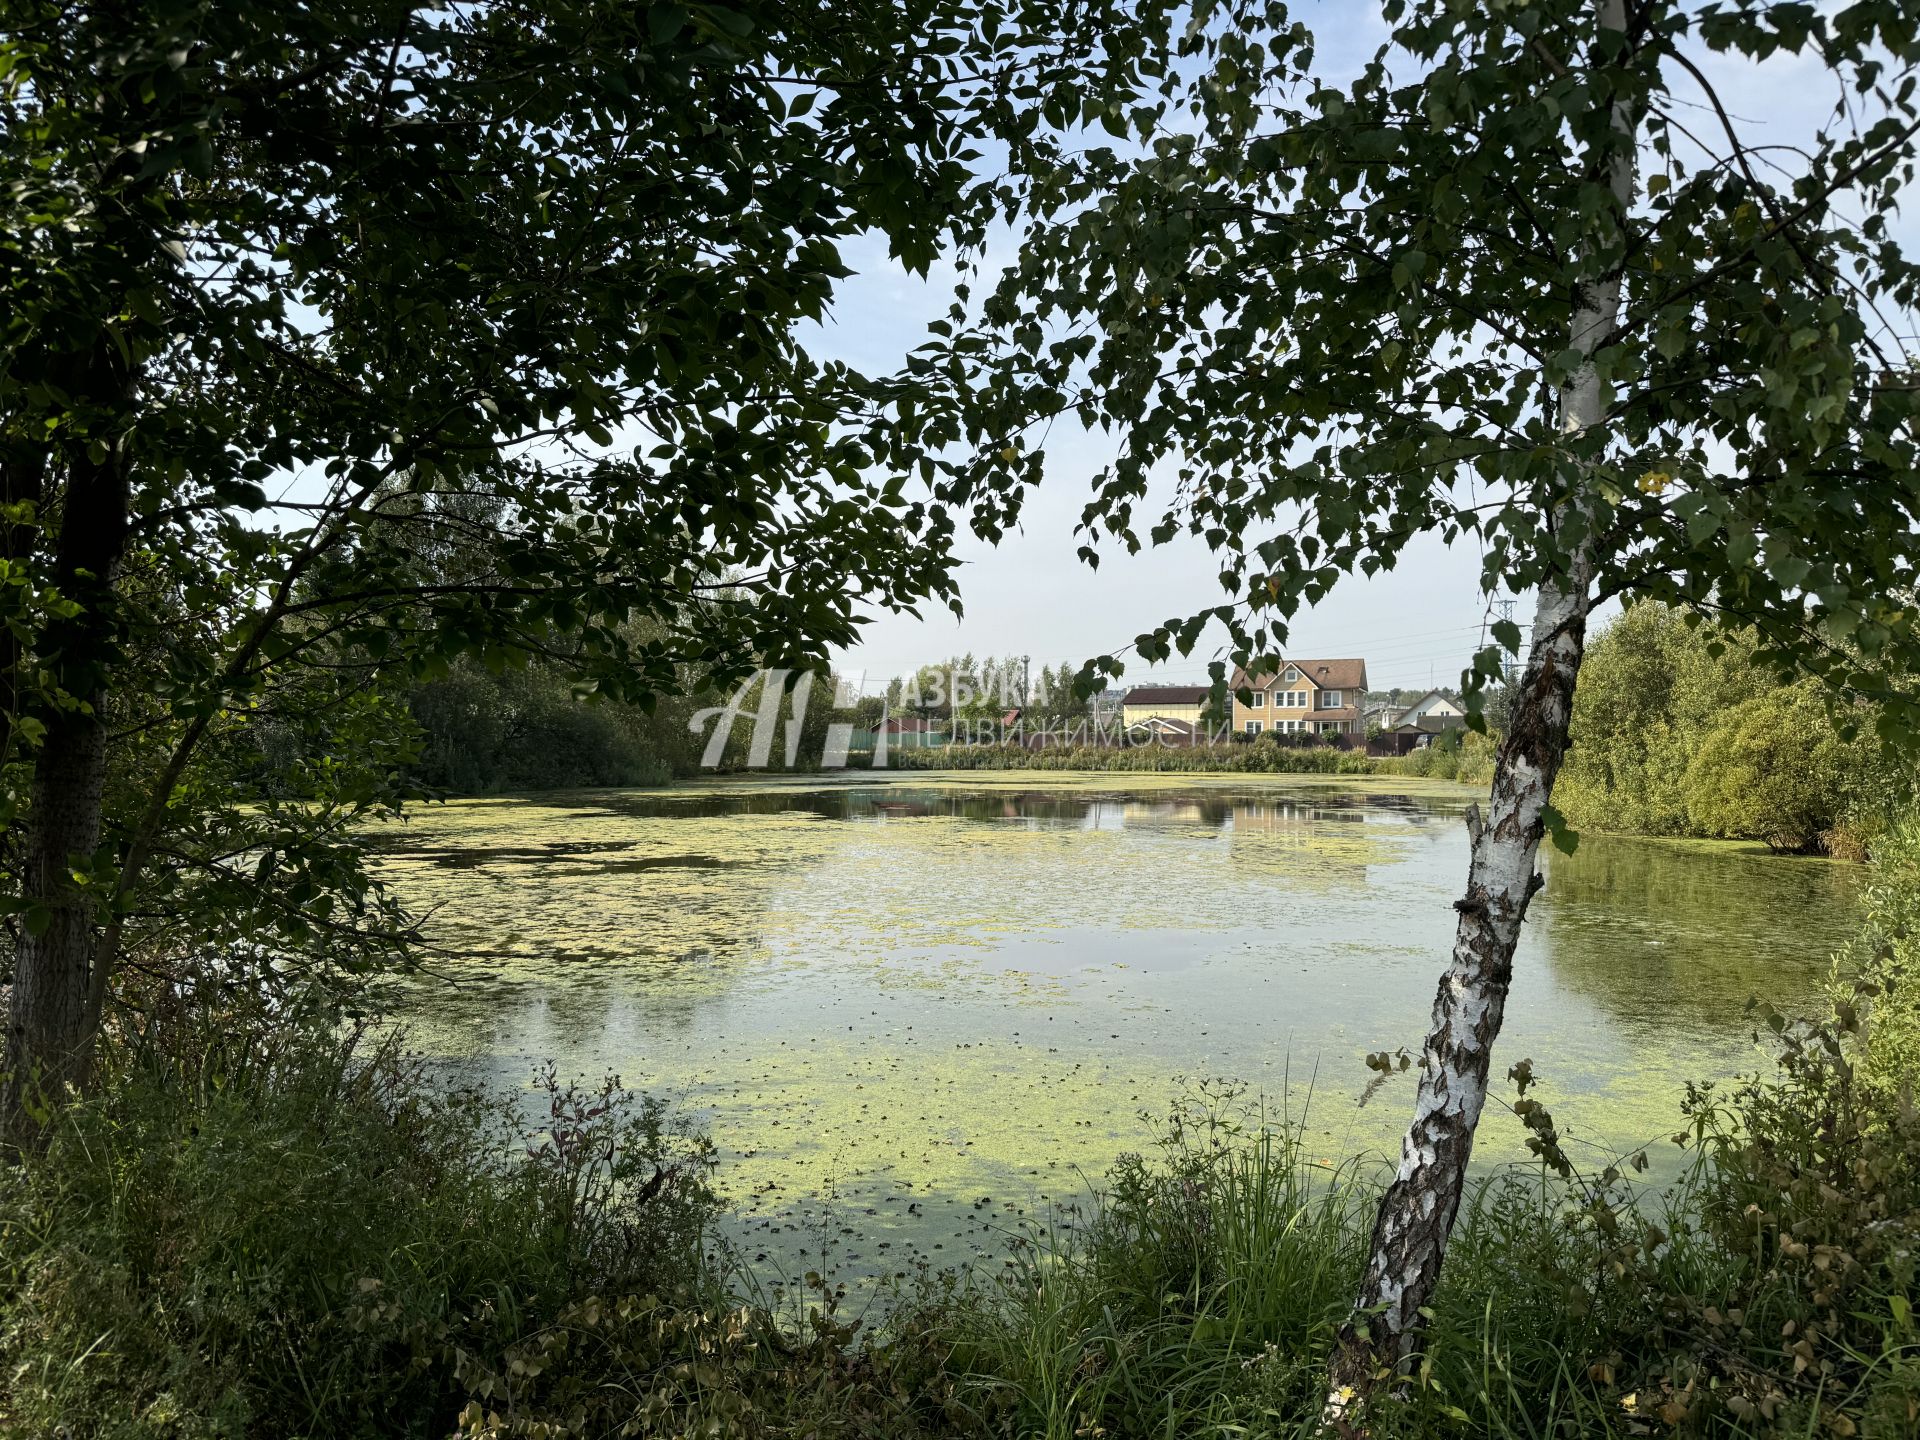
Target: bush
1776,770
1464,756
291,1233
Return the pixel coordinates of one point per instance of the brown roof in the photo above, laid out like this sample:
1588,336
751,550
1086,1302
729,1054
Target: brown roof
1166,695
1350,674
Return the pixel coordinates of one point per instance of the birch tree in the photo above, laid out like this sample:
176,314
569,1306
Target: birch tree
1529,284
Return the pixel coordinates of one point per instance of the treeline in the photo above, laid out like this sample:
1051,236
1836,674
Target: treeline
1678,729
526,728
485,731
965,688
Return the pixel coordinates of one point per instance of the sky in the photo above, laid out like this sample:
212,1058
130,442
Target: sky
1031,595
1417,625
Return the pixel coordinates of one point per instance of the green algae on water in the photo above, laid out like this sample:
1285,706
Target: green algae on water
915,1007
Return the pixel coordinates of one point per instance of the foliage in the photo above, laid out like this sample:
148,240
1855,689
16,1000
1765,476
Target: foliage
1768,1294
264,1225
258,1228
634,1365
1883,963
1679,729
1654,683
1464,756
524,728
1811,1206
1342,317
345,342
1452,756
1775,770
1319,322
1166,1308
975,690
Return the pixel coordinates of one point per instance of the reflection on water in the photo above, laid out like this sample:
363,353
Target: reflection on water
915,1007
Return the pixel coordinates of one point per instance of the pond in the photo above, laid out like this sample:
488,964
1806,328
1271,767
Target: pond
916,1008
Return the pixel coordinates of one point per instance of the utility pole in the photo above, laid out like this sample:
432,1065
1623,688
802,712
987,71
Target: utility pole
1503,608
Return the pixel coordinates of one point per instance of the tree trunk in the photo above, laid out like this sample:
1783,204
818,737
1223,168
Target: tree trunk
48,1035
1418,1209
1417,1212
49,1029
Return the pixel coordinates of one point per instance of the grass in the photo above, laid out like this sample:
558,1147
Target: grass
290,1233
1202,1297
1235,1256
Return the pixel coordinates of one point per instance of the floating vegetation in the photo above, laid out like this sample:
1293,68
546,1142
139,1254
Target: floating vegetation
915,1007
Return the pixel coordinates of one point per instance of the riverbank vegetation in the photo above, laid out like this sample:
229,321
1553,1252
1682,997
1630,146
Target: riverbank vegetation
1679,728
1454,755
525,727
350,346
269,1222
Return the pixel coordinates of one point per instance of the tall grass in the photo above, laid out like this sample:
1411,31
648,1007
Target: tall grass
1768,1294
279,1228
1194,1300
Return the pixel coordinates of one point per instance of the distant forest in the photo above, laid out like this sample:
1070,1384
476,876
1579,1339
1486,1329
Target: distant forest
525,728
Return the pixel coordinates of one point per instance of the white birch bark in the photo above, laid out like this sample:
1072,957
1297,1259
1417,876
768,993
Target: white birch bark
1417,1212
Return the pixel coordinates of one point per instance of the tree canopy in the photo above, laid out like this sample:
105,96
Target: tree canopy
1678,730
1321,321
355,338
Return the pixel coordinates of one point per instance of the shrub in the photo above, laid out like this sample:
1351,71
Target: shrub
1775,770
1464,756
294,1234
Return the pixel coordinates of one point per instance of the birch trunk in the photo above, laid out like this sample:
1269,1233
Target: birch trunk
1418,1209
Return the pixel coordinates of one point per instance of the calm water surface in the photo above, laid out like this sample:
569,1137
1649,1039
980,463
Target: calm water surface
915,1009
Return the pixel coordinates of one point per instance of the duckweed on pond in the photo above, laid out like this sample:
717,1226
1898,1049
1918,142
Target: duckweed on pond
912,1007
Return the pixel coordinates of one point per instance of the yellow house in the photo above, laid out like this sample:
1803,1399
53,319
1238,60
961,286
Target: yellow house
1318,697
1163,702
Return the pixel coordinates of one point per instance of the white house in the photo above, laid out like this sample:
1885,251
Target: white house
1432,705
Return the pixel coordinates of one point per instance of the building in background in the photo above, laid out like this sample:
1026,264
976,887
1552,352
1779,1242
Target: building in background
1164,702
1414,726
1434,705
1310,697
